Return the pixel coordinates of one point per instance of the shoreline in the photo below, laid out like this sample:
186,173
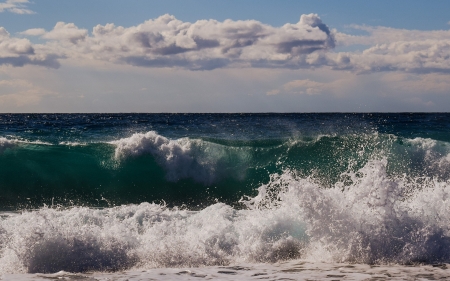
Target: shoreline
290,270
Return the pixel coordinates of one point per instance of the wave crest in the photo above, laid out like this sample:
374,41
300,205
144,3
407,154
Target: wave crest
185,158
6,143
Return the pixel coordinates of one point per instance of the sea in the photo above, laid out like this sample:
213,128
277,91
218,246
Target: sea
308,196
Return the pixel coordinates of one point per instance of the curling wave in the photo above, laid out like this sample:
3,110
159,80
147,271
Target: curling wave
185,158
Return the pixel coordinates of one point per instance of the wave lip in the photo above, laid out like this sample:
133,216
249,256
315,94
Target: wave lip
183,158
11,143
6,143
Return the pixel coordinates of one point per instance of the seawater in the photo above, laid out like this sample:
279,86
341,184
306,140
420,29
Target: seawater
108,192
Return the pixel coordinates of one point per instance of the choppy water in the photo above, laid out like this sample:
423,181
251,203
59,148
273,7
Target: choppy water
102,192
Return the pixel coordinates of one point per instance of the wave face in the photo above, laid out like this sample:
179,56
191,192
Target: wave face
113,192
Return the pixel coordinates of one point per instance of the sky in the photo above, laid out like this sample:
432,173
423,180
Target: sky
224,56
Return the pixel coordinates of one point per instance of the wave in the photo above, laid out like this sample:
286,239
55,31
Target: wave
184,158
6,143
193,171
372,218
11,143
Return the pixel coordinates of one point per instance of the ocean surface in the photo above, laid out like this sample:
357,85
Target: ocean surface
105,193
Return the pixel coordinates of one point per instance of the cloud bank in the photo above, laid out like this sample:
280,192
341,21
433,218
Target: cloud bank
210,44
203,45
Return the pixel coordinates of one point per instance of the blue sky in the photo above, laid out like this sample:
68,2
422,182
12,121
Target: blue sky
248,56
408,14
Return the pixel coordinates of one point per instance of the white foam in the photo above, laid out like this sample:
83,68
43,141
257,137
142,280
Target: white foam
6,143
70,143
376,219
11,143
184,158
145,236
372,218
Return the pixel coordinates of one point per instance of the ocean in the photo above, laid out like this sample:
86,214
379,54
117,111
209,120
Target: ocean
224,196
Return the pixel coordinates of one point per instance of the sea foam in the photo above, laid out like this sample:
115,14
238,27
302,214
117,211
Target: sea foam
371,218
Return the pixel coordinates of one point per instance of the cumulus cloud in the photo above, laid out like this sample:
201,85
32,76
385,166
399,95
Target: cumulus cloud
205,44
66,32
210,44
20,51
15,6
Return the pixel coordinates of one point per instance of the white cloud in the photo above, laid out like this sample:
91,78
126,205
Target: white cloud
210,44
15,6
205,44
63,32
409,56
20,52
33,32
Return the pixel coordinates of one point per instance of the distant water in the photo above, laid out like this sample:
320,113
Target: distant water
105,192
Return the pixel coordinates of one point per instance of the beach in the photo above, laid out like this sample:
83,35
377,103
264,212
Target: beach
292,270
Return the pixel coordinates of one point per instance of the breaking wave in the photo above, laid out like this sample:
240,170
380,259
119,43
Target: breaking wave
185,158
367,217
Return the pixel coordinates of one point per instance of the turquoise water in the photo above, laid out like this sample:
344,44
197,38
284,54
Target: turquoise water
106,192
70,159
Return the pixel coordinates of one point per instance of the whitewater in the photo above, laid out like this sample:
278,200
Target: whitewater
188,197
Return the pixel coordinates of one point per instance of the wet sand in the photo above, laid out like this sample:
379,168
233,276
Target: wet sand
292,270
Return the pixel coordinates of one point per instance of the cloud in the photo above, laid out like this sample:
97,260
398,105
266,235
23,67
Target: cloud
19,52
66,32
387,35
210,44
15,6
390,49
203,45
425,56
33,32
